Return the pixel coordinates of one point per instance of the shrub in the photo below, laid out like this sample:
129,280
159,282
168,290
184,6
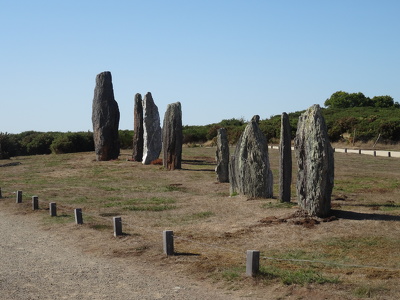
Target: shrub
195,134
73,142
212,132
126,139
8,146
33,143
40,144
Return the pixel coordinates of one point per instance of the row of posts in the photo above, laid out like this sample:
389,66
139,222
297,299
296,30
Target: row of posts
52,207
345,151
359,152
252,256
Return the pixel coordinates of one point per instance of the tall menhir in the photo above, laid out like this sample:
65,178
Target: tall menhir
315,161
172,137
105,119
285,160
137,154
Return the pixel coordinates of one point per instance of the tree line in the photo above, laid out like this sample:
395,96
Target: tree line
342,99
34,142
346,115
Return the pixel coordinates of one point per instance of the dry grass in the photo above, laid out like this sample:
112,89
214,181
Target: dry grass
213,230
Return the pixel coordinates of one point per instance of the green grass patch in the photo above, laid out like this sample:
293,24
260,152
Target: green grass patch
150,208
232,274
315,254
144,204
101,227
389,206
81,199
297,276
360,249
202,215
368,291
197,216
173,188
62,218
109,189
353,243
366,184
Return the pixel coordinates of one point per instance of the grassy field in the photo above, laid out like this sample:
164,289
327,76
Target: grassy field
352,255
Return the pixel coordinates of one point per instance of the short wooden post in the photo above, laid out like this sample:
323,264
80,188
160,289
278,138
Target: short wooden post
78,216
389,155
359,151
168,242
53,209
117,226
374,153
0,194
35,202
19,197
345,150
252,262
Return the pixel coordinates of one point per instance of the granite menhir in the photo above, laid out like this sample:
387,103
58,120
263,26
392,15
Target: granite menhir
315,177
137,154
172,137
105,119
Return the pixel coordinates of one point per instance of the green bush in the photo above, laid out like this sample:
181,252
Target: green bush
126,139
71,142
366,122
195,134
8,145
40,144
33,142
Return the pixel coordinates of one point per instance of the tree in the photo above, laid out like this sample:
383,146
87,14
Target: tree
342,99
383,101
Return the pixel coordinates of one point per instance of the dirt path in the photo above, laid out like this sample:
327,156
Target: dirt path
38,264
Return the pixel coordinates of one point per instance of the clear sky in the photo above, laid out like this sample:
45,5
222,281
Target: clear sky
221,59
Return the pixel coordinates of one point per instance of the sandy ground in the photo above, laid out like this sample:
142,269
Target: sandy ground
37,264
43,259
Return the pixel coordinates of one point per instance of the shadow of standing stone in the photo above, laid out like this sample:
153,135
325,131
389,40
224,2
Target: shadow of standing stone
249,168
315,162
105,119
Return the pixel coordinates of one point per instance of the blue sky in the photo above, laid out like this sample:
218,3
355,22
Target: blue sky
220,59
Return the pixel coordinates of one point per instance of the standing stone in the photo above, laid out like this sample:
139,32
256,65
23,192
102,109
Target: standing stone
222,156
285,160
105,119
315,163
172,137
138,129
152,144
250,172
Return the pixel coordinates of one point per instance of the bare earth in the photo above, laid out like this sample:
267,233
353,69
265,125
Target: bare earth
53,258
37,264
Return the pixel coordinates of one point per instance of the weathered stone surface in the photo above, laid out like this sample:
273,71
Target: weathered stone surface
152,144
222,156
172,137
285,160
138,129
315,162
249,168
105,119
